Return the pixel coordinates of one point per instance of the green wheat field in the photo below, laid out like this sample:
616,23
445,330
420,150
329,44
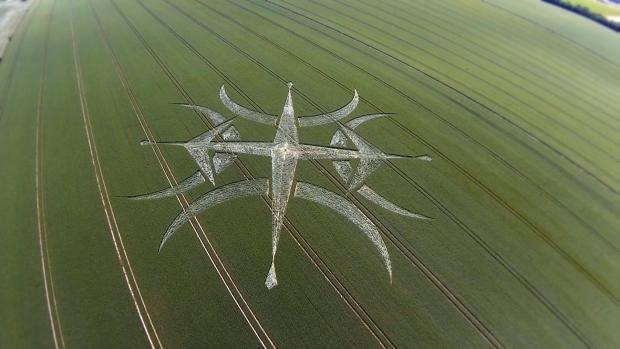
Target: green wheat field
517,102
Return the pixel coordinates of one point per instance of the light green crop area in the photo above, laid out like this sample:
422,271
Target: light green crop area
516,101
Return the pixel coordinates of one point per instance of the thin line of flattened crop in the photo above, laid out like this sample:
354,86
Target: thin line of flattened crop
315,18
524,220
552,91
245,170
535,229
48,280
239,294
442,119
503,117
407,253
521,278
454,22
584,125
549,65
510,268
556,33
606,241
509,135
113,228
464,32
490,192
597,283
148,133
345,294
171,76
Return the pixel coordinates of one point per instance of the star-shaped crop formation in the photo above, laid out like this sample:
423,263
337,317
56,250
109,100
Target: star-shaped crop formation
224,143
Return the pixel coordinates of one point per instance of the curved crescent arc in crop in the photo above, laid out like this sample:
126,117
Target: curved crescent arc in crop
284,151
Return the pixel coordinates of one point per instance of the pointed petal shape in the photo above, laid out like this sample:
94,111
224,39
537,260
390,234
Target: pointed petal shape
198,148
272,280
221,161
364,169
283,172
338,139
231,134
287,125
344,169
368,163
201,156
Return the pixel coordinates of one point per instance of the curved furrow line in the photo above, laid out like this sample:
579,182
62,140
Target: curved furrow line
509,135
528,285
345,294
586,159
482,27
562,99
530,225
503,117
48,280
208,247
453,26
123,258
409,256
583,123
560,35
608,203
561,252
444,120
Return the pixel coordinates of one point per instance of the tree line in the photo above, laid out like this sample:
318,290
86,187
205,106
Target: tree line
584,11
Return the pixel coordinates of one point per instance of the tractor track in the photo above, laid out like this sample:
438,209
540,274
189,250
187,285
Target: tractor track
459,305
455,27
564,254
555,33
48,280
226,278
123,258
345,294
502,261
331,277
416,102
444,120
478,58
391,56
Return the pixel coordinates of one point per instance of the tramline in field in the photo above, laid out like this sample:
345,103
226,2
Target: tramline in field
285,151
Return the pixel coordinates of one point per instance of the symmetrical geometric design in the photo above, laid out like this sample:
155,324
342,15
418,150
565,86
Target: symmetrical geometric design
224,142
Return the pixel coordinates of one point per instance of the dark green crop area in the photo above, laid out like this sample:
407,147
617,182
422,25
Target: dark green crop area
517,102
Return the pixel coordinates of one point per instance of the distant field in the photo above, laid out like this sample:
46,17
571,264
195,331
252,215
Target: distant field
516,102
